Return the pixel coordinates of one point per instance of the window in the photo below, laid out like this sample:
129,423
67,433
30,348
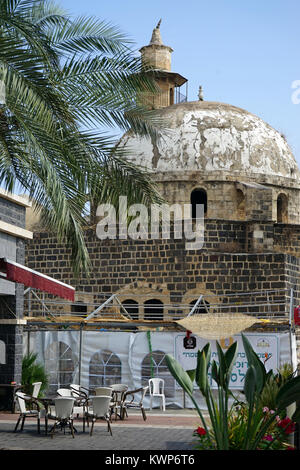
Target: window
59,364
241,209
78,308
132,307
105,369
153,310
202,307
157,367
282,208
198,196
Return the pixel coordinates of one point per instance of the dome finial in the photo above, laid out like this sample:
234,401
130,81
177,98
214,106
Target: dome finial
200,94
158,24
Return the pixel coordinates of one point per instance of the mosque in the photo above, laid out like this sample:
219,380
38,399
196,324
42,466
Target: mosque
243,172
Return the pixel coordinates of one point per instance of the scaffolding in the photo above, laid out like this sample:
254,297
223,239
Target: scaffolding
128,311
85,332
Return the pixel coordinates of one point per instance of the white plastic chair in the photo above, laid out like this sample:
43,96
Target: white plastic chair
36,389
63,414
22,398
107,391
100,410
156,390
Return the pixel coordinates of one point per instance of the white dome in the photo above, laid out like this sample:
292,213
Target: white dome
209,136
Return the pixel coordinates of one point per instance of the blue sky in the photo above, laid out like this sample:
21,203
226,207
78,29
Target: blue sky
242,52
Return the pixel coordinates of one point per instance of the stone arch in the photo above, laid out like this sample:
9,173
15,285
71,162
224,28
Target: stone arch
282,208
105,369
192,295
60,365
141,291
132,307
154,365
153,309
198,196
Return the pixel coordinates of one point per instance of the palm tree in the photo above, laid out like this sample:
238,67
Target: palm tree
60,79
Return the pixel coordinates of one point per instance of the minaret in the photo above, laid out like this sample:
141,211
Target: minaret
158,56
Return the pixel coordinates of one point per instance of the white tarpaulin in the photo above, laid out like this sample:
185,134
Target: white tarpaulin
105,357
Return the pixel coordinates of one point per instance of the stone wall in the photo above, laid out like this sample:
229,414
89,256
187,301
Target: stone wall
223,266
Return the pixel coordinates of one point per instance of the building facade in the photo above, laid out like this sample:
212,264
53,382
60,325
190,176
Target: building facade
240,170
12,246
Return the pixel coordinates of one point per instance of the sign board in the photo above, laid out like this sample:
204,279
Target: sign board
266,346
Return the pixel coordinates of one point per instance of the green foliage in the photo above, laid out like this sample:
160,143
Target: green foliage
63,78
246,425
273,384
32,371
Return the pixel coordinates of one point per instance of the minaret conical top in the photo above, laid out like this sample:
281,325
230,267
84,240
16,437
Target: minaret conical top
156,37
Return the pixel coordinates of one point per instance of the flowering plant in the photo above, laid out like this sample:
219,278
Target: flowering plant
246,425
204,440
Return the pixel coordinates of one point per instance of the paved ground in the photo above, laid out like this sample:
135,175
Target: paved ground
170,430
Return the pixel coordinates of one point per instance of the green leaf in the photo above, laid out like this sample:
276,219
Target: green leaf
250,384
288,393
207,351
222,366
192,374
230,356
296,415
201,372
180,375
254,360
215,372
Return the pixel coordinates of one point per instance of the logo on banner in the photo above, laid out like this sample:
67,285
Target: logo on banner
189,342
262,343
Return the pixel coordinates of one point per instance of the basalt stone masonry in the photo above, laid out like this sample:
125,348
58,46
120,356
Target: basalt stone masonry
228,263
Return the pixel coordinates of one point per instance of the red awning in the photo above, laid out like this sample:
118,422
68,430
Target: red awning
18,273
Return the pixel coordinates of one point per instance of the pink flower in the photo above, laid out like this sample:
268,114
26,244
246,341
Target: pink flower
268,437
266,409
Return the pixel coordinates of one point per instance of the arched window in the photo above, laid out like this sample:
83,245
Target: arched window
153,310
105,369
198,196
171,96
282,208
132,307
202,307
154,365
241,207
59,365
